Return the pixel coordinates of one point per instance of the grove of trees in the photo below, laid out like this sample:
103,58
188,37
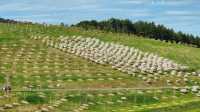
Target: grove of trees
141,28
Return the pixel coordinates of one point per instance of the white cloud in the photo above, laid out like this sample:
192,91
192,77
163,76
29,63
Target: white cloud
182,13
15,7
137,2
174,2
48,5
83,7
160,2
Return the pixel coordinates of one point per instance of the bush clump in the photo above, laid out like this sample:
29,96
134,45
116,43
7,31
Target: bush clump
35,99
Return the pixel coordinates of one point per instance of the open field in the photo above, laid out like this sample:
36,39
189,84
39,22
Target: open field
32,65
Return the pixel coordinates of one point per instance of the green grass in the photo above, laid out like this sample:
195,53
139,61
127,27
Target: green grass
76,72
188,107
182,54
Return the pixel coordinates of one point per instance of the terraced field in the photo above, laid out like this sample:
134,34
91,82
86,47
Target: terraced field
48,79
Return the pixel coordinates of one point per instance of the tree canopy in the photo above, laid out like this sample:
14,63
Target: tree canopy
142,28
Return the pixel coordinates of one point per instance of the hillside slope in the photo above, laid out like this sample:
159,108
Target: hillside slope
180,53
46,79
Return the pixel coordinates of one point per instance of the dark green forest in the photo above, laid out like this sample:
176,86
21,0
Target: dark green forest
141,28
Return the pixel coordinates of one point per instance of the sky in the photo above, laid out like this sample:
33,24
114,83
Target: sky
181,15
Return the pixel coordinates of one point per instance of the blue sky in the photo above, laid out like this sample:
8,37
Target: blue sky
183,15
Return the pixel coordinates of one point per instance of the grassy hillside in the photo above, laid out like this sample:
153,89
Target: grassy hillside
182,54
33,65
